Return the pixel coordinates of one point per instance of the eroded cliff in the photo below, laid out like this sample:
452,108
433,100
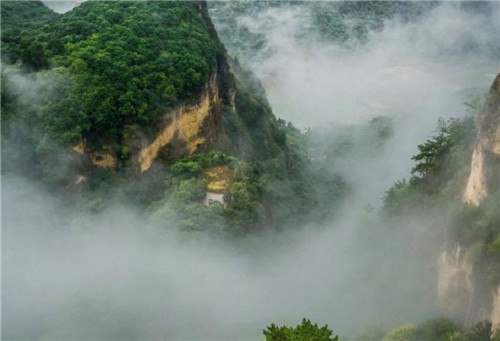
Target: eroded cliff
484,177
195,126
455,282
468,285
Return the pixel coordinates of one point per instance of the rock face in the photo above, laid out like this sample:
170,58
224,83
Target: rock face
461,296
455,285
484,177
194,126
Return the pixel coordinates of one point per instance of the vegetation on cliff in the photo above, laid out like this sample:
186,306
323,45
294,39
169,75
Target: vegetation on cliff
92,84
128,63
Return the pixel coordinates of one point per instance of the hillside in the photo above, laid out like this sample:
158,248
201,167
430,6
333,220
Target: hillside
120,92
109,96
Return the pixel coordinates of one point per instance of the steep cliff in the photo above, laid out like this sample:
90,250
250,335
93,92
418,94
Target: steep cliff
469,272
455,283
484,177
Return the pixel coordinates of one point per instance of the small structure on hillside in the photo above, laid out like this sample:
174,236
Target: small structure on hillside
212,198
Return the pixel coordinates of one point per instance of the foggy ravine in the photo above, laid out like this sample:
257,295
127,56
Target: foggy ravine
117,276
415,72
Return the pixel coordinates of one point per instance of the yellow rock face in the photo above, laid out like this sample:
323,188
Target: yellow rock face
219,179
187,121
79,147
103,160
99,159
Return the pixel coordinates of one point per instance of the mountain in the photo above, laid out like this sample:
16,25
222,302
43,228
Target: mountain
139,100
130,83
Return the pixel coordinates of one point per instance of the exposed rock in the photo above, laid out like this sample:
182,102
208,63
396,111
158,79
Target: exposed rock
79,147
187,123
219,179
103,159
455,286
476,188
484,177
99,158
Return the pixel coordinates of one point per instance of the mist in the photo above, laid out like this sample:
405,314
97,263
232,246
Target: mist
414,72
119,275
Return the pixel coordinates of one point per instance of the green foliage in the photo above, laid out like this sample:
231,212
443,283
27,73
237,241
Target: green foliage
243,209
481,331
253,131
343,22
18,18
437,157
398,197
435,330
306,331
438,177
19,15
127,62
186,169
402,333
206,160
182,201
442,329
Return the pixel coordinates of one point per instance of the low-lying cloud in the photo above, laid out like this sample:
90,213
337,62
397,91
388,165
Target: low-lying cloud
117,276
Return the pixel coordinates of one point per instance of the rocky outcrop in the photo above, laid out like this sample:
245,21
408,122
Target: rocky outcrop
462,294
100,158
193,126
455,284
484,177
229,113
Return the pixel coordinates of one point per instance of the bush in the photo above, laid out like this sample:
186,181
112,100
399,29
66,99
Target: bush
404,332
306,331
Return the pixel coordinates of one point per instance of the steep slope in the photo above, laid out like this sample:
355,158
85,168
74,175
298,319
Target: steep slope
482,190
484,177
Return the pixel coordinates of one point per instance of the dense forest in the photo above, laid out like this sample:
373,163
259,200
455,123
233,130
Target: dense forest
156,185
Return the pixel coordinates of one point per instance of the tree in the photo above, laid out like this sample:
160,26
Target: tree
435,330
306,331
